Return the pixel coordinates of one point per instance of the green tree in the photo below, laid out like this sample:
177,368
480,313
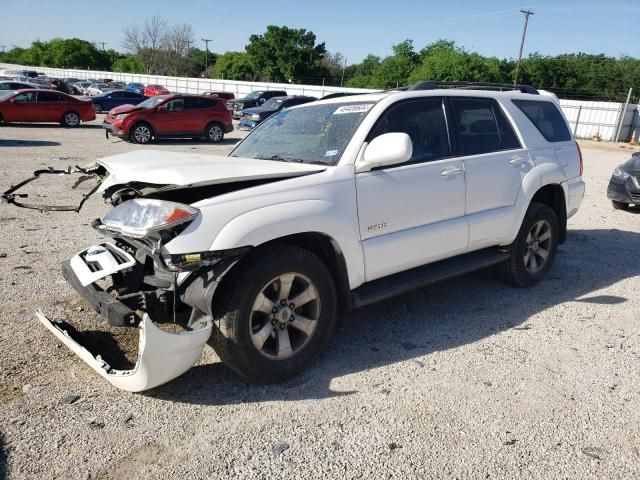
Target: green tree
233,66
128,64
285,54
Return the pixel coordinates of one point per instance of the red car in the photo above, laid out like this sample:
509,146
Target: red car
39,105
155,90
193,116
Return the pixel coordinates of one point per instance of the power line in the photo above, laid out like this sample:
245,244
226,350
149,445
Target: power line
524,33
206,53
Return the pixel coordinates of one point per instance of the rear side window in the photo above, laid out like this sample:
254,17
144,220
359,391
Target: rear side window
192,103
49,97
480,126
546,117
424,122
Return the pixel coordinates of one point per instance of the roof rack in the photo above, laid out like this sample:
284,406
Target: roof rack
433,85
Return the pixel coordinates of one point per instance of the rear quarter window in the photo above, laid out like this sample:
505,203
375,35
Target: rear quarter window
546,117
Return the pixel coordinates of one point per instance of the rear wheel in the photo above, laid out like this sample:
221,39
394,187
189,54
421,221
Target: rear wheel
533,251
70,119
214,132
620,205
141,133
275,314
97,107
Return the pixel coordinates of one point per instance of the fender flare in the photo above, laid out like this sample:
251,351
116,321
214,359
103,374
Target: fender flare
257,227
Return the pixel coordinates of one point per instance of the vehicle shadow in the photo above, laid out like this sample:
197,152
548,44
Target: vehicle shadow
200,141
4,462
435,318
49,125
28,143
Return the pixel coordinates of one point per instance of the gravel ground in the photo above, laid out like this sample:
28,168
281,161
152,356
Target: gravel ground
467,378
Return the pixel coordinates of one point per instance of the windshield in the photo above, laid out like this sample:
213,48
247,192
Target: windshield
152,102
6,94
253,95
311,134
273,104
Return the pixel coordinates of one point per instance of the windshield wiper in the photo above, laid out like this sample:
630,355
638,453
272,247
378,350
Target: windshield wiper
278,158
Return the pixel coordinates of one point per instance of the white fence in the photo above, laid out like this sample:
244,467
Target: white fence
585,117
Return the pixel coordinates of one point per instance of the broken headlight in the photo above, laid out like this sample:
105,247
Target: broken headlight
141,217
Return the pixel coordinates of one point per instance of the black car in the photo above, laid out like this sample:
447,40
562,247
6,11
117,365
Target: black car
624,186
254,99
251,117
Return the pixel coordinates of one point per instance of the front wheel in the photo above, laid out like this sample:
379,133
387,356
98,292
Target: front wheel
275,314
97,107
70,119
141,133
533,251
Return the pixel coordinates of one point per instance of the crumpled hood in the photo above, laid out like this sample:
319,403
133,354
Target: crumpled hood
126,108
186,169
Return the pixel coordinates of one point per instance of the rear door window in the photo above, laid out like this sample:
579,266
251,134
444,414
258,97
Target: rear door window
194,103
49,97
546,117
425,123
480,126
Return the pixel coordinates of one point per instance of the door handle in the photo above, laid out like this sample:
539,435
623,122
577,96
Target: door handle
517,161
451,172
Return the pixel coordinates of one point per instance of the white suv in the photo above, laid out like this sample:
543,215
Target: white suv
324,207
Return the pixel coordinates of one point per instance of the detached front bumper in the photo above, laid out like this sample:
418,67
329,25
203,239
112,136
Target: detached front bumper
162,355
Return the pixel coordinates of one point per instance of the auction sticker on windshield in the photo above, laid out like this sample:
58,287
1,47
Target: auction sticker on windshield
361,108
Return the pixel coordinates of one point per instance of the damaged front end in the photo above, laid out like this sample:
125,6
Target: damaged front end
133,280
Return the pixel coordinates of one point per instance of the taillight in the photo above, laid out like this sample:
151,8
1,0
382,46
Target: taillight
580,155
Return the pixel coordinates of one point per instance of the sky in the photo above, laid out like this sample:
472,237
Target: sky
354,28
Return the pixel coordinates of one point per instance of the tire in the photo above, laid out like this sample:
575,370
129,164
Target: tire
214,132
70,120
266,340
97,107
528,263
619,205
141,133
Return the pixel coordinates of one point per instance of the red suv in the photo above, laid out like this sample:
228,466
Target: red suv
170,116
154,90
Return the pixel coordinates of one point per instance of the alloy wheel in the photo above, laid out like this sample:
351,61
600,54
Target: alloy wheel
284,316
215,133
142,134
537,246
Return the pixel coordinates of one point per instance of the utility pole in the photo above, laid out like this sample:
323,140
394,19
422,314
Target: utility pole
3,47
206,53
103,44
189,42
344,67
524,33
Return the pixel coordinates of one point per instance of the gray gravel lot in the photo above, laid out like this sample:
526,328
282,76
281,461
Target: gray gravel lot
468,378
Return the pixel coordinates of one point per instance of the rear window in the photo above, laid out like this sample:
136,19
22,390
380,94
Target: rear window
546,117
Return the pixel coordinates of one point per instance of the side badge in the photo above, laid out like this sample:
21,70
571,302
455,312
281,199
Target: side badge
379,226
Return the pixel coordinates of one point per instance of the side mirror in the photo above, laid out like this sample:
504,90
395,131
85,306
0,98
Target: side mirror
13,100
386,150
162,108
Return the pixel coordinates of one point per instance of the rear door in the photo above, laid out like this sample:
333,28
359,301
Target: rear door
200,111
494,164
50,106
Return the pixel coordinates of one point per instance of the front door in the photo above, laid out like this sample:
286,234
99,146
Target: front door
23,108
171,121
413,213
